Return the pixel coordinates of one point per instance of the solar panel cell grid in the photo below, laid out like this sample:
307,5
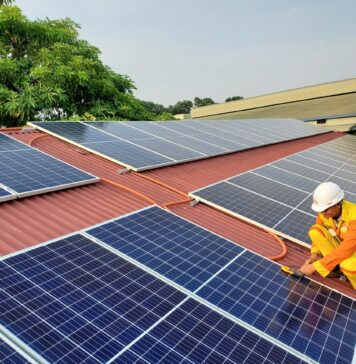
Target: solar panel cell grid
87,302
9,144
304,315
195,334
8,355
177,249
29,170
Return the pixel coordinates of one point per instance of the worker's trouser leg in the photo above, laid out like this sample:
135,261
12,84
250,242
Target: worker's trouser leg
324,243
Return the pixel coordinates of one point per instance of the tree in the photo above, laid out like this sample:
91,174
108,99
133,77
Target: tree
198,102
6,2
47,72
181,107
233,98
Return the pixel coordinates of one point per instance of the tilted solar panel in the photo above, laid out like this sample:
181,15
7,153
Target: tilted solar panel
168,143
74,301
241,283
278,196
25,171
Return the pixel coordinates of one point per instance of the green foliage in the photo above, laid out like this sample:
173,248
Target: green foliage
47,73
181,107
198,102
233,98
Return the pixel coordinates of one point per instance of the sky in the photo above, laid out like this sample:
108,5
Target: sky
176,50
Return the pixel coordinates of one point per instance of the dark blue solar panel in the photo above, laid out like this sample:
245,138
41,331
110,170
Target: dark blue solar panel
74,301
312,319
179,250
30,172
270,188
76,132
8,355
130,154
193,333
244,203
169,149
9,144
230,135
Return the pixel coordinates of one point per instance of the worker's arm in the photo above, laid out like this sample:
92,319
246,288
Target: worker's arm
326,264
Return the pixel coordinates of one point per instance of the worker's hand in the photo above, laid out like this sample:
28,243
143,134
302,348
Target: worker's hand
313,258
307,269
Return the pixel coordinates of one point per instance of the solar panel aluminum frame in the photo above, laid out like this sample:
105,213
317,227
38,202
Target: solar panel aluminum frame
148,167
11,196
54,188
20,347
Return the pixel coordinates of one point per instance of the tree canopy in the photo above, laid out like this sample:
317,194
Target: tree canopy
233,98
47,72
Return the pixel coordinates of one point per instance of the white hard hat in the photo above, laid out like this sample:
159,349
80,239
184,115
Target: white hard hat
327,194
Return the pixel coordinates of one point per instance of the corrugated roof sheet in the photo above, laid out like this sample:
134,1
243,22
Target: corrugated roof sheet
39,218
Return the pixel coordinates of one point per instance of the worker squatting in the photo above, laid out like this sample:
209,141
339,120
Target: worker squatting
334,234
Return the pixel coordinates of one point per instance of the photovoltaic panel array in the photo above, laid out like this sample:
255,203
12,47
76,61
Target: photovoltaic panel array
25,171
141,145
75,301
278,196
264,298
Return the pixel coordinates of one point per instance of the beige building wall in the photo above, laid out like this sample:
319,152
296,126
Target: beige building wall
283,97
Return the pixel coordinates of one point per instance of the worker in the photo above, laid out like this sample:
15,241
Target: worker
334,234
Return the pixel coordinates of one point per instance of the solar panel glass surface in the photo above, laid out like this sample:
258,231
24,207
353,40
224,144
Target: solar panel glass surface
74,301
304,315
8,143
194,333
165,138
279,195
6,195
176,248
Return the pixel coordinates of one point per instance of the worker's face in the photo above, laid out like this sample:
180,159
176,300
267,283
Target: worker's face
332,211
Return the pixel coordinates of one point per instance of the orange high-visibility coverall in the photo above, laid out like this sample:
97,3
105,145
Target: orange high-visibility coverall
332,251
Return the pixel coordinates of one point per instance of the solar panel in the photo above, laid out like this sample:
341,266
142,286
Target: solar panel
25,171
306,316
72,300
173,247
278,196
193,333
168,143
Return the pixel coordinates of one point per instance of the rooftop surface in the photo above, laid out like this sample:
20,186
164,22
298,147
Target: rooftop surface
36,219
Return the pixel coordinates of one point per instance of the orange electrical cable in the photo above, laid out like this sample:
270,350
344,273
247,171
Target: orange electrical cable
139,194
35,138
162,184
165,206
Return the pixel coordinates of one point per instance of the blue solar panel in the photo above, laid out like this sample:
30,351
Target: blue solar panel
74,301
306,316
8,355
26,171
179,250
30,172
193,333
166,138
279,195
7,144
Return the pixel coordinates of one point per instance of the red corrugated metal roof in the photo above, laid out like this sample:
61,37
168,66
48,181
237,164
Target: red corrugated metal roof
39,218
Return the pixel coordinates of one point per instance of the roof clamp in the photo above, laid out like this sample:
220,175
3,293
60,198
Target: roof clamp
123,171
194,203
